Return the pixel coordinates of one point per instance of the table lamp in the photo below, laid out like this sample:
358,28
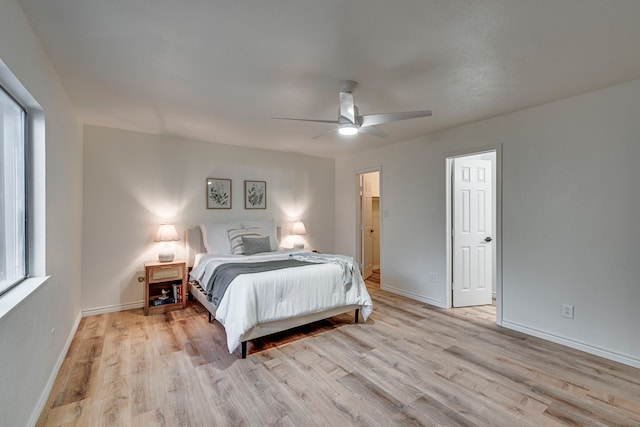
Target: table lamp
166,233
298,230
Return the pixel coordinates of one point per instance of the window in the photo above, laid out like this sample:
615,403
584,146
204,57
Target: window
13,206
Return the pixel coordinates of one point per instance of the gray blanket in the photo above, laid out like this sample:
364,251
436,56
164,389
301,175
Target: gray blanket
224,274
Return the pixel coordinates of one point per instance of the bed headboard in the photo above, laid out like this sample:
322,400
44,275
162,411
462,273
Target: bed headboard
194,244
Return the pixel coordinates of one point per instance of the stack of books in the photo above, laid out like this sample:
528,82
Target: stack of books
166,299
162,301
177,293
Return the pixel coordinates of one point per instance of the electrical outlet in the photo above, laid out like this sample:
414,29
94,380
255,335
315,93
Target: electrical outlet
432,277
567,311
53,338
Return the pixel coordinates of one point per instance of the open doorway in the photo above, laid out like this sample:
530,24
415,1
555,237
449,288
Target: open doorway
473,229
368,224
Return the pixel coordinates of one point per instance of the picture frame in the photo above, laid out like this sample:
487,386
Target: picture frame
255,194
218,193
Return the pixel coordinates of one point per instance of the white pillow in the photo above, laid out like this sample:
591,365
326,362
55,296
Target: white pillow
268,228
215,237
235,238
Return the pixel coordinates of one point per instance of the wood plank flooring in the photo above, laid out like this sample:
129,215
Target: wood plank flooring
409,364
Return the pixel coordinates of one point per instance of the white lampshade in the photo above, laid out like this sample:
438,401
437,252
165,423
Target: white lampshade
298,229
166,233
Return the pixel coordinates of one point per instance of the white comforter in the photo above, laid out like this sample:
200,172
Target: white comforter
280,294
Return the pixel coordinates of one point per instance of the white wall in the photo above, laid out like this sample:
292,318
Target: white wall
134,180
571,203
374,180
29,353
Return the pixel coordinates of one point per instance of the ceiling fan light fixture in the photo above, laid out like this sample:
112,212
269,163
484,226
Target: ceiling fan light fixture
350,122
347,129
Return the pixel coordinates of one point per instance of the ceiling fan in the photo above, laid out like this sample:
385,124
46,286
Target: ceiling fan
350,122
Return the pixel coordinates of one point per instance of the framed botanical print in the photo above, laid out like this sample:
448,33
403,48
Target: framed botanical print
255,194
218,193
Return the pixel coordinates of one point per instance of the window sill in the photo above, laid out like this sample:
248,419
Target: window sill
13,298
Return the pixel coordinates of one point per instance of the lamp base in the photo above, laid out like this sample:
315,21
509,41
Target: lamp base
166,254
166,258
298,246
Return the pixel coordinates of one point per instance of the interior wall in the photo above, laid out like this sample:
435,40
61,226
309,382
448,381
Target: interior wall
134,181
35,333
569,216
374,179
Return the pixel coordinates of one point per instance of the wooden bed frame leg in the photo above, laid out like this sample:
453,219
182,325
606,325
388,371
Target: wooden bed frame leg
244,349
357,314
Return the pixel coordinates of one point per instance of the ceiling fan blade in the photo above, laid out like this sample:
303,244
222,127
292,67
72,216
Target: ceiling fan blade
335,122
347,107
324,133
376,119
370,130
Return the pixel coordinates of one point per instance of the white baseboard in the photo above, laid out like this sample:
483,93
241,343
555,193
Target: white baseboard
421,298
52,378
588,348
112,308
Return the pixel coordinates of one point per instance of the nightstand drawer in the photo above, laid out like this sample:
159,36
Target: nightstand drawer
165,274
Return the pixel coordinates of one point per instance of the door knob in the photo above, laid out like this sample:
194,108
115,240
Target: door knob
487,239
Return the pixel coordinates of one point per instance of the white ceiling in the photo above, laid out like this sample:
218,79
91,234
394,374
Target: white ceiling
217,70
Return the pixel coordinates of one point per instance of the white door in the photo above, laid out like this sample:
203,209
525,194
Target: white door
367,227
375,236
360,226
472,233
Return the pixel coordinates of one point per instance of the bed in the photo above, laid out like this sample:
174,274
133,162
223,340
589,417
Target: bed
257,303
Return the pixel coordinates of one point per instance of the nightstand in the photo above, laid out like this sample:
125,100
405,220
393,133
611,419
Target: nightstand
170,277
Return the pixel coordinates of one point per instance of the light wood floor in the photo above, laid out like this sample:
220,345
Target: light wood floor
409,364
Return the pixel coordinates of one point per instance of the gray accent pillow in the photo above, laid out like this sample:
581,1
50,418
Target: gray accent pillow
254,245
